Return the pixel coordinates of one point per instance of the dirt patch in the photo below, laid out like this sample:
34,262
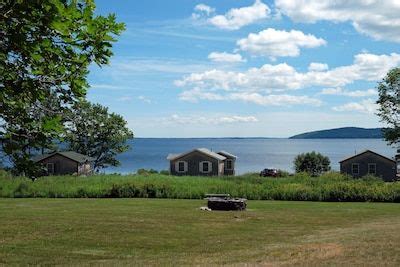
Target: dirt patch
321,251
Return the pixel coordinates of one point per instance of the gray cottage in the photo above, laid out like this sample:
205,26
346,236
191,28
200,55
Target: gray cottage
67,162
398,163
202,162
369,162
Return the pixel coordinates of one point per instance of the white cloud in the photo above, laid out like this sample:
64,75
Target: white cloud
236,18
275,100
270,124
365,106
268,77
315,66
226,57
230,119
204,8
125,99
354,93
259,99
376,18
196,94
234,119
128,98
144,99
265,85
138,66
106,86
277,43
281,77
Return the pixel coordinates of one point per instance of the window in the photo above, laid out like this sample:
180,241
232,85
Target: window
205,166
50,168
181,166
229,164
355,168
372,168
398,166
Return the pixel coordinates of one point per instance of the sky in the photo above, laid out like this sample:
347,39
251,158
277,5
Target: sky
247,68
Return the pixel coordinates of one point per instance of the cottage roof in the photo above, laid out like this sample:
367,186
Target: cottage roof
201,150
366,151
226,154
80,158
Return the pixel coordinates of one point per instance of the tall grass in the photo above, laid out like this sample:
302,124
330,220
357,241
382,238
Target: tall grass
328,187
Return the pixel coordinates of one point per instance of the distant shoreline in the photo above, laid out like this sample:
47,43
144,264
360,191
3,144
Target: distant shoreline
343,133
337,133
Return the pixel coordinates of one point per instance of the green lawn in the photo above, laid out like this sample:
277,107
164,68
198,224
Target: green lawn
176,232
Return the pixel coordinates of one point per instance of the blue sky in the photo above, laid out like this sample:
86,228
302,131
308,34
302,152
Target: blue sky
247,68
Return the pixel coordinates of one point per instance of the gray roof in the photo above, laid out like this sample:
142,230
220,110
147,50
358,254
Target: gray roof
227,154
201,150
366,151
173,156
68,154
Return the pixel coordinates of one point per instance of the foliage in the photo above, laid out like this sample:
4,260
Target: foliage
146,172
95,132
46,48
282,173
389,105
312,163
330,186
165,172
5,174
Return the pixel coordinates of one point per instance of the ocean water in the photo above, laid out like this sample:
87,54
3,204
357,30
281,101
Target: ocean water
253,154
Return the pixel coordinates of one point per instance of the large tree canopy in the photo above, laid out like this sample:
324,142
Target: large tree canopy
46,47
313,163
95,132
389,105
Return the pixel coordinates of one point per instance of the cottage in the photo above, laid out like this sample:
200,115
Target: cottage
67,162
369,162
202,162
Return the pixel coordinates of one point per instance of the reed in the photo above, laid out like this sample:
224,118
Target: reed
328,187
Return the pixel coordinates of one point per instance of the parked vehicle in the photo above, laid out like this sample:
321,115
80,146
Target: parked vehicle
269,173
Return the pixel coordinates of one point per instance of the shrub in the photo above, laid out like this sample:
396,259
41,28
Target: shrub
21,190
146,172
5,174
371,178
330,186
165,172
282,173
313,163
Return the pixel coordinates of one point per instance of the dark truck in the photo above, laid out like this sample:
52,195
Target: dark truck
269,173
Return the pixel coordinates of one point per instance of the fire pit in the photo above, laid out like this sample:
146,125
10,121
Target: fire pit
225,202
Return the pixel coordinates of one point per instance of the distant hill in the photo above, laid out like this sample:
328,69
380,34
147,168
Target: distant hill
346,132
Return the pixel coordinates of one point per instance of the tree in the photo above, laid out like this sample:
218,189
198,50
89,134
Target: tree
44,125
95,132
312,163
46,47
389,105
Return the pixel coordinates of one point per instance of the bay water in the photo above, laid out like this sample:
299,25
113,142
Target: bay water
254,154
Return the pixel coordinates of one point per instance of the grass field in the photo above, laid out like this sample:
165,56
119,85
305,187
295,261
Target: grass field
175,232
